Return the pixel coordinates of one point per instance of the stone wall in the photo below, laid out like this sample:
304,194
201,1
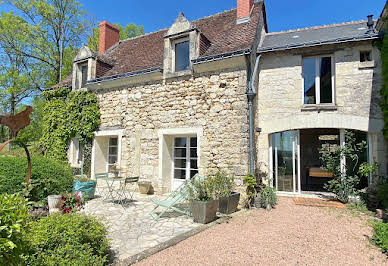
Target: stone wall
357,86
215,103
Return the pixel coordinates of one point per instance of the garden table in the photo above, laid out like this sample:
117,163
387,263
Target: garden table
113,189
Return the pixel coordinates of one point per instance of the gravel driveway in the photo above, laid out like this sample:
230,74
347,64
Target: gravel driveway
288,235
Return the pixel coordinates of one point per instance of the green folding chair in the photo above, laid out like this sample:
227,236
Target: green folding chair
102,191
173,201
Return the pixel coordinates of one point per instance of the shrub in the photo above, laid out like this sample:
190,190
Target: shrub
380,236
382,195
251,183
13,220
48,177
267,197
200,189
71,202
72,239
222,183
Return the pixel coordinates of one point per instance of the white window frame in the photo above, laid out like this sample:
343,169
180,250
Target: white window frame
317,80
75,146
108,153
188,157
173,45
79,72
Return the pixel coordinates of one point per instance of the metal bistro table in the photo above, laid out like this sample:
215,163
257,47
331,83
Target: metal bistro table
119,192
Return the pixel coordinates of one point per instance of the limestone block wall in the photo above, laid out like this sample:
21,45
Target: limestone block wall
215,103
279,100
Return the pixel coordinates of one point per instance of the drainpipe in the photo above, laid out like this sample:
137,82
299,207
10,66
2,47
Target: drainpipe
251,94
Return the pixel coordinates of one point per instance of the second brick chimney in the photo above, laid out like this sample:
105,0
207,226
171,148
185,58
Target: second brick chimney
109,35
244,8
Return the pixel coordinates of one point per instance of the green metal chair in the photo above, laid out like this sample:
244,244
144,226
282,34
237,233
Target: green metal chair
172,201
102,191
124,192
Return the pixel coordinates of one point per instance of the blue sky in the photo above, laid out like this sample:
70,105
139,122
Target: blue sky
281,14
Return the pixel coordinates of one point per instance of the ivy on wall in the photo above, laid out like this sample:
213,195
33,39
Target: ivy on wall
69,114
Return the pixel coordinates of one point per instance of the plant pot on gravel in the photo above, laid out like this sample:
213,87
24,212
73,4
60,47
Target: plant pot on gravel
144,187
228,204
204,211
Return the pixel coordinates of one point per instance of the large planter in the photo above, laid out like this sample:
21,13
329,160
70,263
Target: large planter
144,187
87,188
53,203
228,205
204,212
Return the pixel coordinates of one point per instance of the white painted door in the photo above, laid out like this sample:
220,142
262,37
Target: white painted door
185,160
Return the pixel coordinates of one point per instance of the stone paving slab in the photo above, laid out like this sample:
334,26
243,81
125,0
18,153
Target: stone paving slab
130,227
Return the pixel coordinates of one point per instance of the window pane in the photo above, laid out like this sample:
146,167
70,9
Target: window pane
180,163
180,142
309,75
182,56
193,142
180,152
84,70
365,56
113,142
112,150
179,174
112,159
193,153
193,164
193,173
325,80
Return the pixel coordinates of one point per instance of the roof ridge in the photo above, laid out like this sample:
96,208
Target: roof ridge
318,27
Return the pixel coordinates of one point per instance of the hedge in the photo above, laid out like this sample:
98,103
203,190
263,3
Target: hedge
49,177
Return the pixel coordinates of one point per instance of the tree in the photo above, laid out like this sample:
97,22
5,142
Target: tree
129,31
42,33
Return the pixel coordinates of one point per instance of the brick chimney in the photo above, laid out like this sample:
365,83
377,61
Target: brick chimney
109,35
244,8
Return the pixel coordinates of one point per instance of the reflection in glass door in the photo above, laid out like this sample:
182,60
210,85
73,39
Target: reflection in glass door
185,163
285,161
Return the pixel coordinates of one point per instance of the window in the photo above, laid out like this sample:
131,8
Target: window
112,153
84,74
318,79
182,55
77,152
365,56
185,157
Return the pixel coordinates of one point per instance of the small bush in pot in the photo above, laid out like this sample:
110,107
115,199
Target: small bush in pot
203,205
268,198
223,191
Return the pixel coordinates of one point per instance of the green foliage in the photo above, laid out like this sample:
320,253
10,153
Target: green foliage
67,115
382,195
384,89
72,239
343,184
267,197
200,189
13,220
49,177
71,202
222,183
129,31
251,183
380,236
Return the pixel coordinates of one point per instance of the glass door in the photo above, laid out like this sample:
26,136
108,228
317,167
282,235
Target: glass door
185,161
285,161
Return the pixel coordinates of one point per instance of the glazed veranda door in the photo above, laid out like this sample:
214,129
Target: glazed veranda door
285,161
185,160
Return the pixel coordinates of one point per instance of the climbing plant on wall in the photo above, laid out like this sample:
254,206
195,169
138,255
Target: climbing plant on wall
384,90
69,114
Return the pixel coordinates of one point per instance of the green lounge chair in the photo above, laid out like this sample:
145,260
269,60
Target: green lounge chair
172,202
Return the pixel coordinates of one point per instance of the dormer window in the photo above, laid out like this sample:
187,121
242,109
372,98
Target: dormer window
84,74
182,54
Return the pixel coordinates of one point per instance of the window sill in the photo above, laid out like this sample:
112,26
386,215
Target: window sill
318,107
365,65
179,74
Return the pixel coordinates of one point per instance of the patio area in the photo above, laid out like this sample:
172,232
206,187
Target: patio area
131,228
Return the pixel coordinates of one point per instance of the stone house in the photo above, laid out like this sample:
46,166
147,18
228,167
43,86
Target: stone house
223,92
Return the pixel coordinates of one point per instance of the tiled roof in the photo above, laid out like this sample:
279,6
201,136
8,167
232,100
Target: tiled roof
352,31
147,51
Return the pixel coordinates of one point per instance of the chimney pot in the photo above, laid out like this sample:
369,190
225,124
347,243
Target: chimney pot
109,35
244,8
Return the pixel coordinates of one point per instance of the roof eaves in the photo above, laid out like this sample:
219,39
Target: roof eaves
317,43
220,56
125,75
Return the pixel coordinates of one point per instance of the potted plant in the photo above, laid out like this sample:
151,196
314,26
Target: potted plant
268,198
84,185
203,206
53,203
144,187
227,198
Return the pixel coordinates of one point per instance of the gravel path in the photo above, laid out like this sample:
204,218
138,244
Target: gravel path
288,235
